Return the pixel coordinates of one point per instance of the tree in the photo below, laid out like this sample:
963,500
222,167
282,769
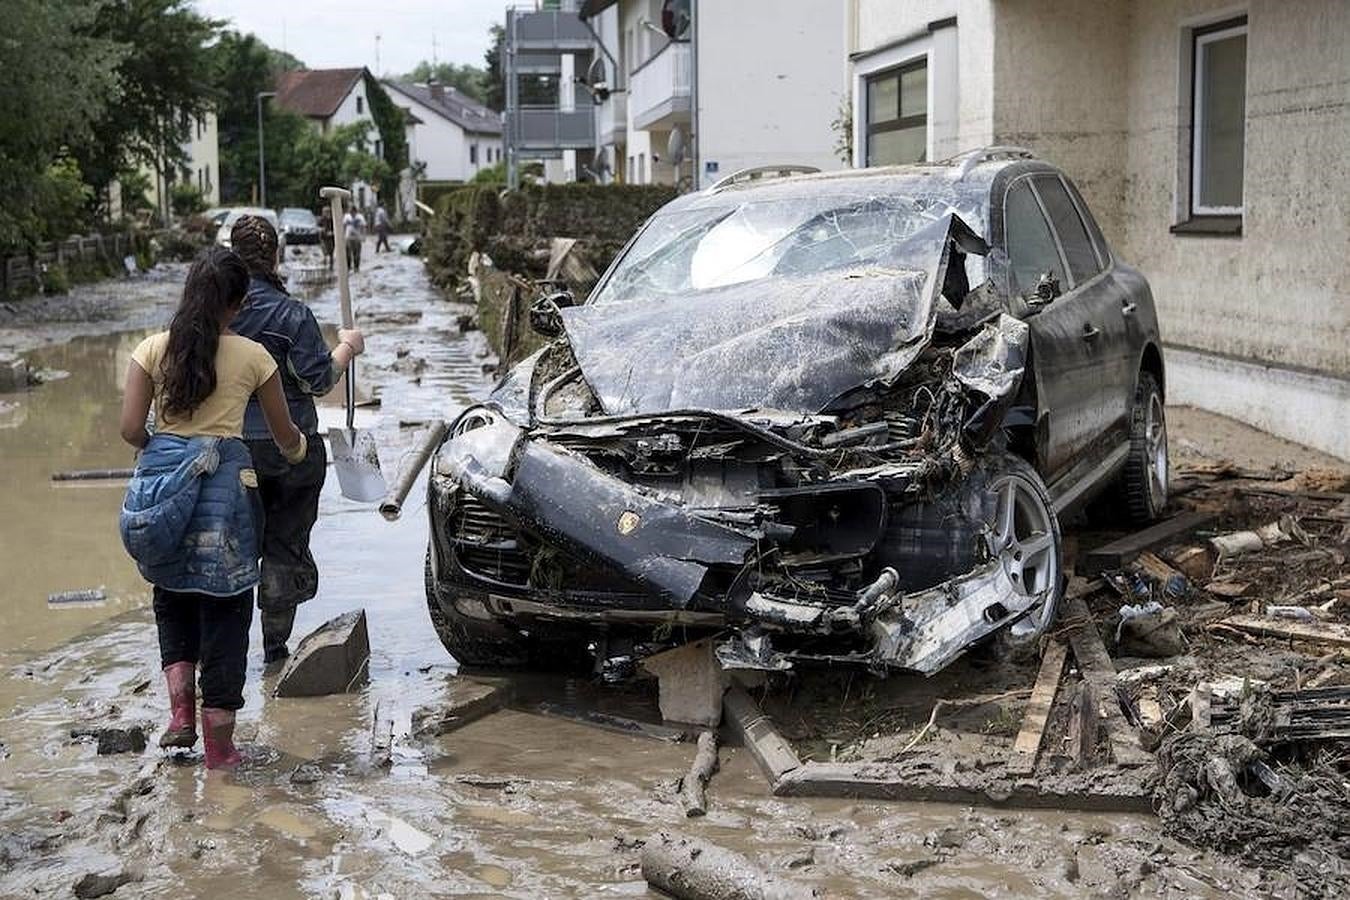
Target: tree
164,85
494,77
468,79
58,80
392,125
243,67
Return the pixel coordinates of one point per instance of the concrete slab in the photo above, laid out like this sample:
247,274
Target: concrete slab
690,683
332,659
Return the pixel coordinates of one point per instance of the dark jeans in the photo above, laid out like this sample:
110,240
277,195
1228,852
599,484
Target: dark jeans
381,239
354,254
209,631
290,501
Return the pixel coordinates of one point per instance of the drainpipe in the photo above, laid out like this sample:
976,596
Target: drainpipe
696,135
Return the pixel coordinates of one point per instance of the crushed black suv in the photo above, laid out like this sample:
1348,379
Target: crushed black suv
827,417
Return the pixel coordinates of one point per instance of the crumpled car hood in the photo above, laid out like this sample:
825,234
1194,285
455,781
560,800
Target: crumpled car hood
737,347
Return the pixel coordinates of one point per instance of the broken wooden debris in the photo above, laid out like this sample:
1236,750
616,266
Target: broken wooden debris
1290,629
692,869
94,475
609,722
1317,714
1123,551
85,597
332,659
1084,725
694,785
1028,742
1237,543
690,683
1095,664
773,753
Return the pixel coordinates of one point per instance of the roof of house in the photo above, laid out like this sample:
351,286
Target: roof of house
454,105
316,93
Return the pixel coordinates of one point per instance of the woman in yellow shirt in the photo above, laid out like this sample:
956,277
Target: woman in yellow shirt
189,517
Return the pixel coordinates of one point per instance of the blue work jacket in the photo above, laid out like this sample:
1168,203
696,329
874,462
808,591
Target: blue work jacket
191,515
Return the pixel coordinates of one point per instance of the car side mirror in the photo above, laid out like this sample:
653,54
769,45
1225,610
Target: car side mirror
545,313
1047,289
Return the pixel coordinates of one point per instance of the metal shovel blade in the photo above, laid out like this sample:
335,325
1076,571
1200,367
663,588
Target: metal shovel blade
357,461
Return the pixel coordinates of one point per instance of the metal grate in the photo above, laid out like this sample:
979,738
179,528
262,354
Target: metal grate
486,545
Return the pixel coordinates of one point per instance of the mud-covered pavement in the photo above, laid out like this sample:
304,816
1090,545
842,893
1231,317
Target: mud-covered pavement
515,804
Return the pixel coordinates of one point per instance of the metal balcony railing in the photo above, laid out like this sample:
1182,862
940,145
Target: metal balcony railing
658,90
547,30
554,129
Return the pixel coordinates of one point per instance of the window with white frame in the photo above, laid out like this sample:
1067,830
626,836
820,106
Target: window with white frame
1218,117
896,129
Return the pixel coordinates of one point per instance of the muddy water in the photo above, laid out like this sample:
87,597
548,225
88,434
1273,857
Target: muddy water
513,805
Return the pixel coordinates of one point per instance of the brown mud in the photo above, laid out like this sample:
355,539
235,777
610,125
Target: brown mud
515,804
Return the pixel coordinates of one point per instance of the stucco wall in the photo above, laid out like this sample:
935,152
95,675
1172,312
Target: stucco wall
1280,293
772,103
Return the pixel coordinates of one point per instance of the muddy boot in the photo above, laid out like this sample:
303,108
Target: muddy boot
182,680
276,630
218,734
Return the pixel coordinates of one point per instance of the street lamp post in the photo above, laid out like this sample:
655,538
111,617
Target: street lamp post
262,155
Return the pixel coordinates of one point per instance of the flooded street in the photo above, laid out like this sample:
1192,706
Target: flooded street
515,804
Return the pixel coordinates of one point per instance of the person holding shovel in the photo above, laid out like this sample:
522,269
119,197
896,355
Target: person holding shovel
290,493
191,516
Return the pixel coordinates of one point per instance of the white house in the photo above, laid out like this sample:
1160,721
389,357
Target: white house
1207,135
453,135
199,167
330,98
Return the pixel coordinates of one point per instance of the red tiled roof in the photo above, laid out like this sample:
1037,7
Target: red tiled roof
316,93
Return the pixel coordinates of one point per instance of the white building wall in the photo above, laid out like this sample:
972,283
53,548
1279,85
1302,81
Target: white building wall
444,146
204,152
772,102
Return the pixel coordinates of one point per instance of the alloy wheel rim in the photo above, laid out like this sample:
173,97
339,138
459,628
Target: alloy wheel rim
1021,537
1155,443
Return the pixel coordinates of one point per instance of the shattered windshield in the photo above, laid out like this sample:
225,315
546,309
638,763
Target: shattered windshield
711,247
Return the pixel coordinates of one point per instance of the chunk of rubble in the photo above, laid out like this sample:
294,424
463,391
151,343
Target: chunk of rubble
332,659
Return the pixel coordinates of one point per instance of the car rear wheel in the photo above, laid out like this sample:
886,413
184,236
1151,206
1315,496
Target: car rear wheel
1143,484
480,644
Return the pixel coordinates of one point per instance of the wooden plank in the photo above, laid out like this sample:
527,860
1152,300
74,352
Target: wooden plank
1122,551
1110,789
1096,665
773,753
1200,707
1028,742
1330,633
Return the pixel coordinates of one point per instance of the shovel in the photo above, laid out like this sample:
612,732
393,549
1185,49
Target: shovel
355,455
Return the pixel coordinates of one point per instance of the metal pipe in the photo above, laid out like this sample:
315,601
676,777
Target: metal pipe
392,505
262,170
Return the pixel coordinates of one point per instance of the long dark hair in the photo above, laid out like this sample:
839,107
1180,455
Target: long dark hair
255,240
216,283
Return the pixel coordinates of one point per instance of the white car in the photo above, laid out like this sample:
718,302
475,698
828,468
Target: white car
223,234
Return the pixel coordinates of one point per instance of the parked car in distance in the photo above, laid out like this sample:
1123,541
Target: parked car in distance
223,233
828,417
299,225
216,215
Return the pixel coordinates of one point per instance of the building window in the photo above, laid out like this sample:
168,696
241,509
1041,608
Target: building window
360,105
473,154
897,115
1218,117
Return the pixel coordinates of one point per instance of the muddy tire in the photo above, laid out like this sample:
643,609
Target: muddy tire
1142,488
1024,533
490,645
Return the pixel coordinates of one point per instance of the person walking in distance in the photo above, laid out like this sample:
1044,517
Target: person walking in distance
191,516
326,234
290,493
354,232
381,228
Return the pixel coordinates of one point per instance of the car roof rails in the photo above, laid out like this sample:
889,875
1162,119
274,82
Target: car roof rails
757,172
973,158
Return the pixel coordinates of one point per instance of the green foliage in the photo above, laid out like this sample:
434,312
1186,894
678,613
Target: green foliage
243,67
494,80
185,199
493,174
164,82
61,201
135,190
468,79
392,125
55,279
58,80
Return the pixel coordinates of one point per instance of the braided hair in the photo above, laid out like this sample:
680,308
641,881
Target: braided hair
255,240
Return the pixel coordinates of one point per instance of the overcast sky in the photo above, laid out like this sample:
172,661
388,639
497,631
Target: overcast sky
330,34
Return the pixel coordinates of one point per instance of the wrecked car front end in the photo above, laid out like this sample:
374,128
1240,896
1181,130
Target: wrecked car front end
815,473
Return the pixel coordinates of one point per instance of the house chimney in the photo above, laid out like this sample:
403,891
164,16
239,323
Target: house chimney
437,90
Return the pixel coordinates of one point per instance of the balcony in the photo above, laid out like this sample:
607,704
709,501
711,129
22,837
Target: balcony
555,129
547,30
611,120
658,90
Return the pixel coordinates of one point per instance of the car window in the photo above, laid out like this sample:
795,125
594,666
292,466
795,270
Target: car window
1031,246
1073,237
1094,231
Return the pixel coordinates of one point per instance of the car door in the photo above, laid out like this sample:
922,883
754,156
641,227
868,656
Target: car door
1099,297
1063,353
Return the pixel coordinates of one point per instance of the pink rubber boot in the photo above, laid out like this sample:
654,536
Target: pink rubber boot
218,734
182,680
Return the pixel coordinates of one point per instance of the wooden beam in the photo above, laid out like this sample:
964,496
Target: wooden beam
1122,551
1028,742
773,753
1317,632
1098,669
